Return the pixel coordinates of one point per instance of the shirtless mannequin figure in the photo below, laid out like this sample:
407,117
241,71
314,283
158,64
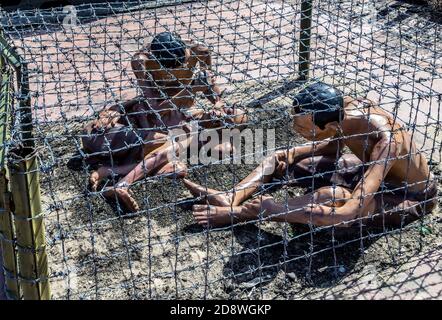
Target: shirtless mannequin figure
133,135
385,181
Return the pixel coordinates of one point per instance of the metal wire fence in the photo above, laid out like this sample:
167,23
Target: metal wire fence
99,229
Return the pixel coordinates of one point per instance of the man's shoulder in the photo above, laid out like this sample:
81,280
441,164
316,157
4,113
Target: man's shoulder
142,55
358,101
198,47
146,58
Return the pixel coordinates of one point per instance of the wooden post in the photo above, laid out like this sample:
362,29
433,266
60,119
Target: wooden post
7,242
25,190
8,260
29,225
304,39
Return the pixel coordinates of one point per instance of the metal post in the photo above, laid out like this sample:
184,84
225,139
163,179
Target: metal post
304,39
21,70
29,225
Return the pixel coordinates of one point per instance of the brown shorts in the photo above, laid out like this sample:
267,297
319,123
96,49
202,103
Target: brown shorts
328,172
117,142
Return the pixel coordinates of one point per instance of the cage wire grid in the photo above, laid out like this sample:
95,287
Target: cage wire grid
386,51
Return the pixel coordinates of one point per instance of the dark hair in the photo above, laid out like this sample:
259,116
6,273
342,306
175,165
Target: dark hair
169,49
326,103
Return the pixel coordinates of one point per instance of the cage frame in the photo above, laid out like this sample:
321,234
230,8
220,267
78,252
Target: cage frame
29,282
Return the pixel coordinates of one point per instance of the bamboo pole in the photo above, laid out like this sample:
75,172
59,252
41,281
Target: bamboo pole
9,258
29,225
304,39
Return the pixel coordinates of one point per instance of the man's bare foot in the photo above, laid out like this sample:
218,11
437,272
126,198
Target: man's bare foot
94,180
213,197
212,216
235,115
98,175
123,198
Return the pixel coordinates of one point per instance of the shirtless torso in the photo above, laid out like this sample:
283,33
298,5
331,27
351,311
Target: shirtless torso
156,81
369,131
172,91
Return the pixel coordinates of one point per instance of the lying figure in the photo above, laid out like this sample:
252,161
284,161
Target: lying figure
130,140
384,181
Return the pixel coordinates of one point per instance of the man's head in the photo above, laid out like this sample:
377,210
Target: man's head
318,110
169,49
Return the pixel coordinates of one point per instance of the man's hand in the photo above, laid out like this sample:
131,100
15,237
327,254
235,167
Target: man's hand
107,119
264,204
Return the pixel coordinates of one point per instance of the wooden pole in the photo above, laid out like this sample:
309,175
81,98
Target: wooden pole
25,190
304,39
8,259
29,225
7,242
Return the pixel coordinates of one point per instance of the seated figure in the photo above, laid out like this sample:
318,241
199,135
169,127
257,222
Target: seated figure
384,181
130,140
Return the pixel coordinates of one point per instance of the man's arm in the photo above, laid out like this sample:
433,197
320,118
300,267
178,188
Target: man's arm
330,148
322,148
203,55
141,66
382,159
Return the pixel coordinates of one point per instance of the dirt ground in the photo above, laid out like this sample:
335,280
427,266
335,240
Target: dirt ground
391,53
162,254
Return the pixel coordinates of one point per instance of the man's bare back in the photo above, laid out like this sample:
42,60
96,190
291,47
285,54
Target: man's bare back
367,129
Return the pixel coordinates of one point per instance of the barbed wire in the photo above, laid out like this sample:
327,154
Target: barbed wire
80,61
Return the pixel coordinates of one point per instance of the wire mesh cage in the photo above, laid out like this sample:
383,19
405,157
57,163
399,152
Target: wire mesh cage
118,218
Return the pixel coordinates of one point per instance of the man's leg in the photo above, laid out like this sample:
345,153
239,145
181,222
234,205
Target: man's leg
264,173
384,210
156,162
274,166
106,171
154,140
395,210
294,211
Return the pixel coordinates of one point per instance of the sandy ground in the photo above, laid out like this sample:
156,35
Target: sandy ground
388,51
